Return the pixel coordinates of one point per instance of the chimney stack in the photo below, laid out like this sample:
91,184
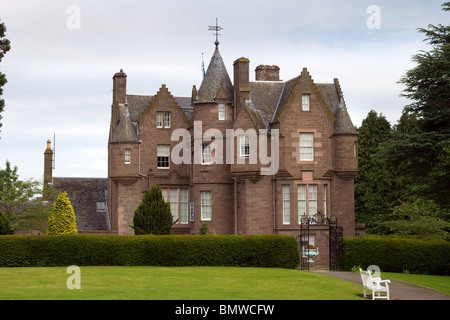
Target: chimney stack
48,168
241,83
267,73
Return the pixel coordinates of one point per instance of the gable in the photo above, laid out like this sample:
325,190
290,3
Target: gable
164,98
294,89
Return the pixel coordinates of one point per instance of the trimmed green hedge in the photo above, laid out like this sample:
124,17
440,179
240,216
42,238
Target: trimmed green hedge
398,254
278,251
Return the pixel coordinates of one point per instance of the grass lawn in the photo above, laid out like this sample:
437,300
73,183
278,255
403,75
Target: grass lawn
175,283
438,283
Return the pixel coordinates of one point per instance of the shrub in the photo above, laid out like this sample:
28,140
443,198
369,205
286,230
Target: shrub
398,254
62,217
278,251
153,216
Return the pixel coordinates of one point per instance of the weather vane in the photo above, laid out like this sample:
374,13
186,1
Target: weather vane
216,30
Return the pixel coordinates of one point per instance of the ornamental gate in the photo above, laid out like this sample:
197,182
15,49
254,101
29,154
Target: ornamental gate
313,224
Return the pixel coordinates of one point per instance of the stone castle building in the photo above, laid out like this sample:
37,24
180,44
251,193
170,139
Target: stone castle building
305,124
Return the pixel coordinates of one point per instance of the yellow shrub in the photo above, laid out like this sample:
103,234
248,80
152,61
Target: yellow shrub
62,217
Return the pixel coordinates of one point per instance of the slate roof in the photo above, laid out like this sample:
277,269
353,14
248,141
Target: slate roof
88,199
137,103
125,131
215,76
267,99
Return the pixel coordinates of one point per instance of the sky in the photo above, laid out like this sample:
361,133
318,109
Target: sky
64,54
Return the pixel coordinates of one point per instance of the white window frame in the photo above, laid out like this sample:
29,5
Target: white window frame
306,146
312,200
286,204
301,202
162,151
127,156
244,143
206,154
167,119
325,196
182,203
159,119
184,206
206,205
173,200
306,102
222,111
306,201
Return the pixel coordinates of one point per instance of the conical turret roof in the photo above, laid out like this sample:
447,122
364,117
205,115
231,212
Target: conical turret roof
125,131
216,76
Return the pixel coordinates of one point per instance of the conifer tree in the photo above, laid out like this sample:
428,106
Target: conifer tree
153,216
62,217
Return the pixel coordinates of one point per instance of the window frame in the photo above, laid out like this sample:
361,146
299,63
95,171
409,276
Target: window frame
206,154
244,146
184,206
307,200
222,113
306,102
302,202
127,156
159,158
306,144
286,199
206,205
159,119
167,119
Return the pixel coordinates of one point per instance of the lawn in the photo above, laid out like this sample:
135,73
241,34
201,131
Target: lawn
174,283
438,283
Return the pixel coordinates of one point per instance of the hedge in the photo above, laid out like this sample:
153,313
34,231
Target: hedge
398,254
280,251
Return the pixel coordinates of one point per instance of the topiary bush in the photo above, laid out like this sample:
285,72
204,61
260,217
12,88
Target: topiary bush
277,251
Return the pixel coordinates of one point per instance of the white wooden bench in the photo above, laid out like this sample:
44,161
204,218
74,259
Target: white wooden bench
376,285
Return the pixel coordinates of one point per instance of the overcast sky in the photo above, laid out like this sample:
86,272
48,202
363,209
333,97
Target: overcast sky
64,54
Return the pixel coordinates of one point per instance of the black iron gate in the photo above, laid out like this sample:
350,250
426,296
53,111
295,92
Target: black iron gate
335,240
336,248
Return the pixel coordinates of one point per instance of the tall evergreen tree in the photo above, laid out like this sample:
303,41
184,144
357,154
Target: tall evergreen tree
62,217
153,215
422,150
372,185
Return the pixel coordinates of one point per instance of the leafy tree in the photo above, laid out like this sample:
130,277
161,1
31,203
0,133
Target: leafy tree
419,217
153,215
422,151
62,217
15,196
4,47
373,183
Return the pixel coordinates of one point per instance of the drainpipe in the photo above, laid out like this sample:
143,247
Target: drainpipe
139,166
